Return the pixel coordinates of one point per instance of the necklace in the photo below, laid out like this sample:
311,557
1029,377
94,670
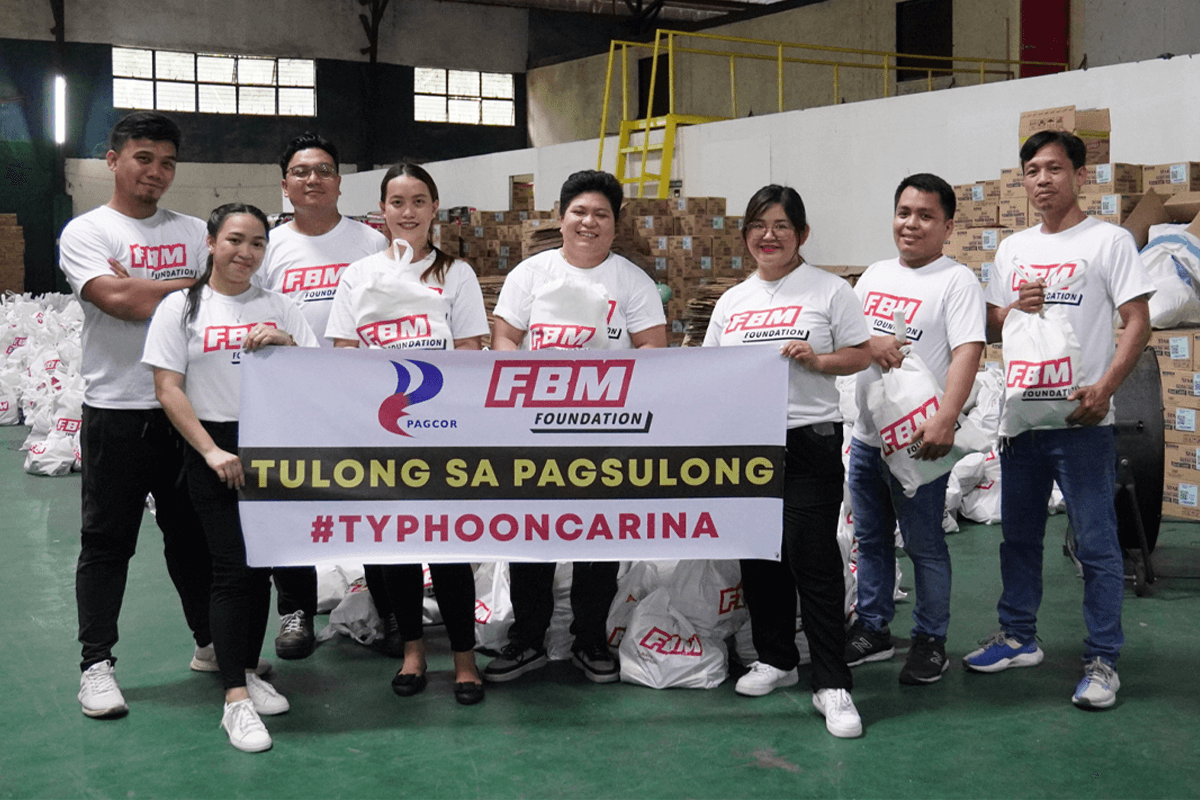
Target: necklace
778,283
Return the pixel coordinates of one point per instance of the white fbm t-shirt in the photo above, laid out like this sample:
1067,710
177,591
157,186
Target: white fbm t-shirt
944,308
808,304
307,268
634,304
1094,268
380,303
161,247
208,352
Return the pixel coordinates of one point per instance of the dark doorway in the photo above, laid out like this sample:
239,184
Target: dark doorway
924,28
662,87
1045,29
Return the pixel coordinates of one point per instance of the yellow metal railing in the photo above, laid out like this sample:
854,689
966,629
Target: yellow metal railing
886,65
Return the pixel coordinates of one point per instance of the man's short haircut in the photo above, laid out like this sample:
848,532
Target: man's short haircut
928,182
306,141
1076,149
590,180
144,125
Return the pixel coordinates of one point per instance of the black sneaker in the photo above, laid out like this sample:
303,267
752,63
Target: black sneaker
597,663
926,662
513,662
864,644
296,638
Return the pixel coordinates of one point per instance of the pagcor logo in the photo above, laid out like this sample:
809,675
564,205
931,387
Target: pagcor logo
672,644
599,383
392,409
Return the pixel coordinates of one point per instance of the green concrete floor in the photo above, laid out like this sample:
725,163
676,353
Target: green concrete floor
553,734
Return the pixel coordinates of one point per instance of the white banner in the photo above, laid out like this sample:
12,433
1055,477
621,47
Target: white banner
363,456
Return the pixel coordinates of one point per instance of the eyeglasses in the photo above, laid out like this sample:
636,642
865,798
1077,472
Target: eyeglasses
302,171
759,228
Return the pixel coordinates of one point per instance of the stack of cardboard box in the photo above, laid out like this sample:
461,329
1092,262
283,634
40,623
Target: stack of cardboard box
12,255
1177,352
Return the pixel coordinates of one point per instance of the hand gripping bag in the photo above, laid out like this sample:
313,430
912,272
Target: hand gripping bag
1042,359
567,313
661,649
900,401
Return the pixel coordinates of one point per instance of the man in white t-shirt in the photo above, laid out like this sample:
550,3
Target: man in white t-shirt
304,261
1105,275
121,259
944,313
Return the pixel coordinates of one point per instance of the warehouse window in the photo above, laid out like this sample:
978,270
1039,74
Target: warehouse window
213,83
463,96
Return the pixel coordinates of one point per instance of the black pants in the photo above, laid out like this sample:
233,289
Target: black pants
127,454
297,589
400,589
811,565
241,595
593,586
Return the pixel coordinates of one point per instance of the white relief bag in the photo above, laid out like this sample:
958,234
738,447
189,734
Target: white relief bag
396,310
639,580
899,402
493,605
662,649
1042,359
709,594
568,313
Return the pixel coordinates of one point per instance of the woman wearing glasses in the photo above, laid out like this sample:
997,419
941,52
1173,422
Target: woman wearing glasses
816,321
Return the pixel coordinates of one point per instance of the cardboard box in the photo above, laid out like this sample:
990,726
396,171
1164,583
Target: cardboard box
1014,213
964,192
1091,125
1152,210
1181,388
689,246
1172,178
1181,498
1114,208
645,207
648,226
1181,463
1116,178
1179,420
978,214
1173,348
1012,184
700,225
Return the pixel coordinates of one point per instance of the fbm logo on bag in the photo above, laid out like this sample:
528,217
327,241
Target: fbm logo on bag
600,383
672,644
564,337
67,425
390,331
483,614
731,600
900,433
1044,380
159,258
305,279
228,337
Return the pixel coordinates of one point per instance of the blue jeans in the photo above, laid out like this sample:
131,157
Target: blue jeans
1083,461
879,502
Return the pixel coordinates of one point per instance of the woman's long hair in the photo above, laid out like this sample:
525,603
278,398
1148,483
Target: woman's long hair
215,220
441,259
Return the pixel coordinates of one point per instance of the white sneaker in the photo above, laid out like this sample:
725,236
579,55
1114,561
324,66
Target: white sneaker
763,679
1099,686
841,717
267,701
205,660
246,731
98,692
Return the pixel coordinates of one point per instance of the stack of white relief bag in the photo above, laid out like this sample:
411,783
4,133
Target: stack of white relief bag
40,380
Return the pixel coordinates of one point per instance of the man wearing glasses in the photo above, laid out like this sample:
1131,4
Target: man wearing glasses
305,260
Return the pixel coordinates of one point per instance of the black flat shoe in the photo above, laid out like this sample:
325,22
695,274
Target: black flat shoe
468,694
407,684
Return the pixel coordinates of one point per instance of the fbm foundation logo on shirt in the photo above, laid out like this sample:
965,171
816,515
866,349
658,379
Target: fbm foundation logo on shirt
880,310
1042,380
768,324
1059,277
569,396
229,337
416,382
163,261
317,283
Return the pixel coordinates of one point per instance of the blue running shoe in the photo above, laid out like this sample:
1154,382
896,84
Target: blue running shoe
999,652
1099,686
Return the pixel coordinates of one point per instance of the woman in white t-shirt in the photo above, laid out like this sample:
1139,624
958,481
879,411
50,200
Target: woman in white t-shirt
415,296
583,296
195,344
815,320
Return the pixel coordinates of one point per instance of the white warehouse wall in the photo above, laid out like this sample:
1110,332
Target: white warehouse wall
847,159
